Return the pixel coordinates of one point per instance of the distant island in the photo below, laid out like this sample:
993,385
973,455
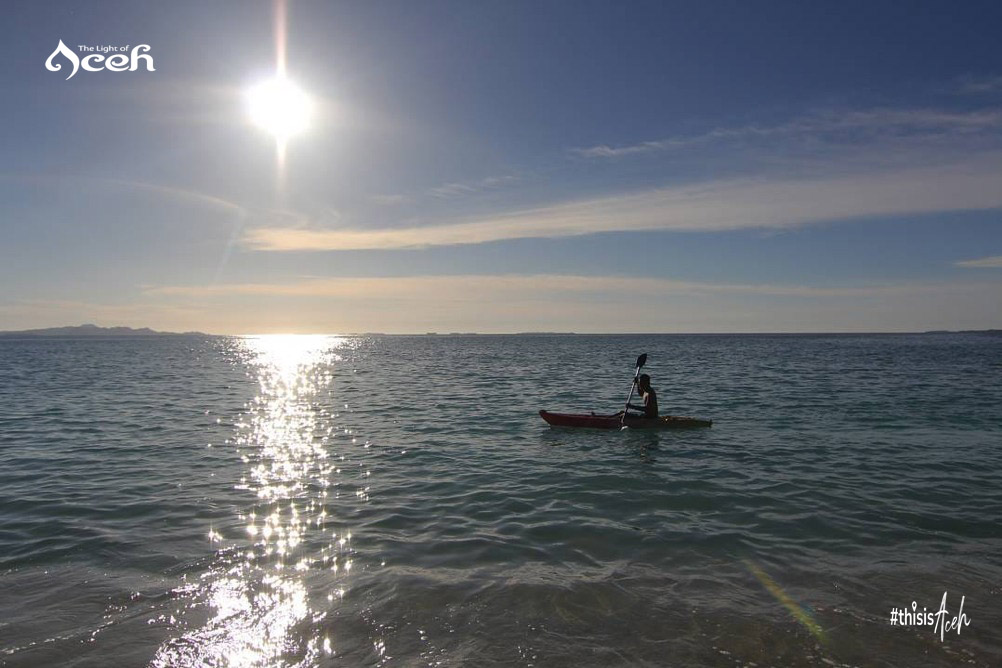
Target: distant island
496,334
990,332
94,330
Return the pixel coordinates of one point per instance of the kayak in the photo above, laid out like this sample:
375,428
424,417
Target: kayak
592,421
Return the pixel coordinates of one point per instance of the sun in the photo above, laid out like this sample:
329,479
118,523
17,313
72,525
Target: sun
280,107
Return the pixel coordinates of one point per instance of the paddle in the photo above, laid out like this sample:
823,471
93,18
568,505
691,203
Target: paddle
641,361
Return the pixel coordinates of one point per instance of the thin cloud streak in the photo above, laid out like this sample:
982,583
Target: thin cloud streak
827,128
973,86
169,192
513,303
707,207
449,190
994,262
476,288
389,200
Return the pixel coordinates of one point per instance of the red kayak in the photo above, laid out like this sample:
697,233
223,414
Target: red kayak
592,421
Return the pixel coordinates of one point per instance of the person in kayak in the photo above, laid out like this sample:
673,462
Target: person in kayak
650,408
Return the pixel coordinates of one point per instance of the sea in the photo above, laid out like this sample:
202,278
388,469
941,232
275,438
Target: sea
397,500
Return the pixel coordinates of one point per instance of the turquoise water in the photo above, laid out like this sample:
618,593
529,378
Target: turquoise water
301,501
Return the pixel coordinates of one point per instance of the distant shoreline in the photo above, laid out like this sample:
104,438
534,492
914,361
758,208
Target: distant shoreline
94,330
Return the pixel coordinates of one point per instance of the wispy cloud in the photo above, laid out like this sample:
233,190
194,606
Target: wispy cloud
475,288
458,189
390,200
827,128
821,167
451,190
713,206
165,191
994,262
505,303
500,303
976,85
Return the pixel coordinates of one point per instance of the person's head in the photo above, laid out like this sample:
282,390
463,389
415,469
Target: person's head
644,381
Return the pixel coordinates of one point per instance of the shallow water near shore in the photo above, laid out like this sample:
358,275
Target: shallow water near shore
308,501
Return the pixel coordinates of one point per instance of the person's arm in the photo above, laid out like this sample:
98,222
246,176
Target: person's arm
640,409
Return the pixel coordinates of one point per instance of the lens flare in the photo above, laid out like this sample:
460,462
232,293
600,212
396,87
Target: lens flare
798,612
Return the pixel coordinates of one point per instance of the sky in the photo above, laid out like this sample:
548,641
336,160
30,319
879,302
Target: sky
504,166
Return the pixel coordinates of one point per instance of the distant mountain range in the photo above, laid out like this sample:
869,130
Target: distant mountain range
94,330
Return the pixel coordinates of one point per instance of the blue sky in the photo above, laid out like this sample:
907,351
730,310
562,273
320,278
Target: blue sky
505,166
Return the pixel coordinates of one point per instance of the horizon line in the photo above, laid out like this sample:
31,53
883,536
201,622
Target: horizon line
39,332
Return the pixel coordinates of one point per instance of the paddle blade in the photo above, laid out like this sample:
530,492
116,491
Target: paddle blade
642,360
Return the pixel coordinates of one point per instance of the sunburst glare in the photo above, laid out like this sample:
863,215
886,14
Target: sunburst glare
280,107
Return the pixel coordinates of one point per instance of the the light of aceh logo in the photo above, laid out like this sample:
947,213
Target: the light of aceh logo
123,61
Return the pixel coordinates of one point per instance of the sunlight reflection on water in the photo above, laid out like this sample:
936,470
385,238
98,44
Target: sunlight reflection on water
259,603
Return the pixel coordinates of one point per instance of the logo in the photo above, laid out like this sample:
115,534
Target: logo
940,621
97,58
